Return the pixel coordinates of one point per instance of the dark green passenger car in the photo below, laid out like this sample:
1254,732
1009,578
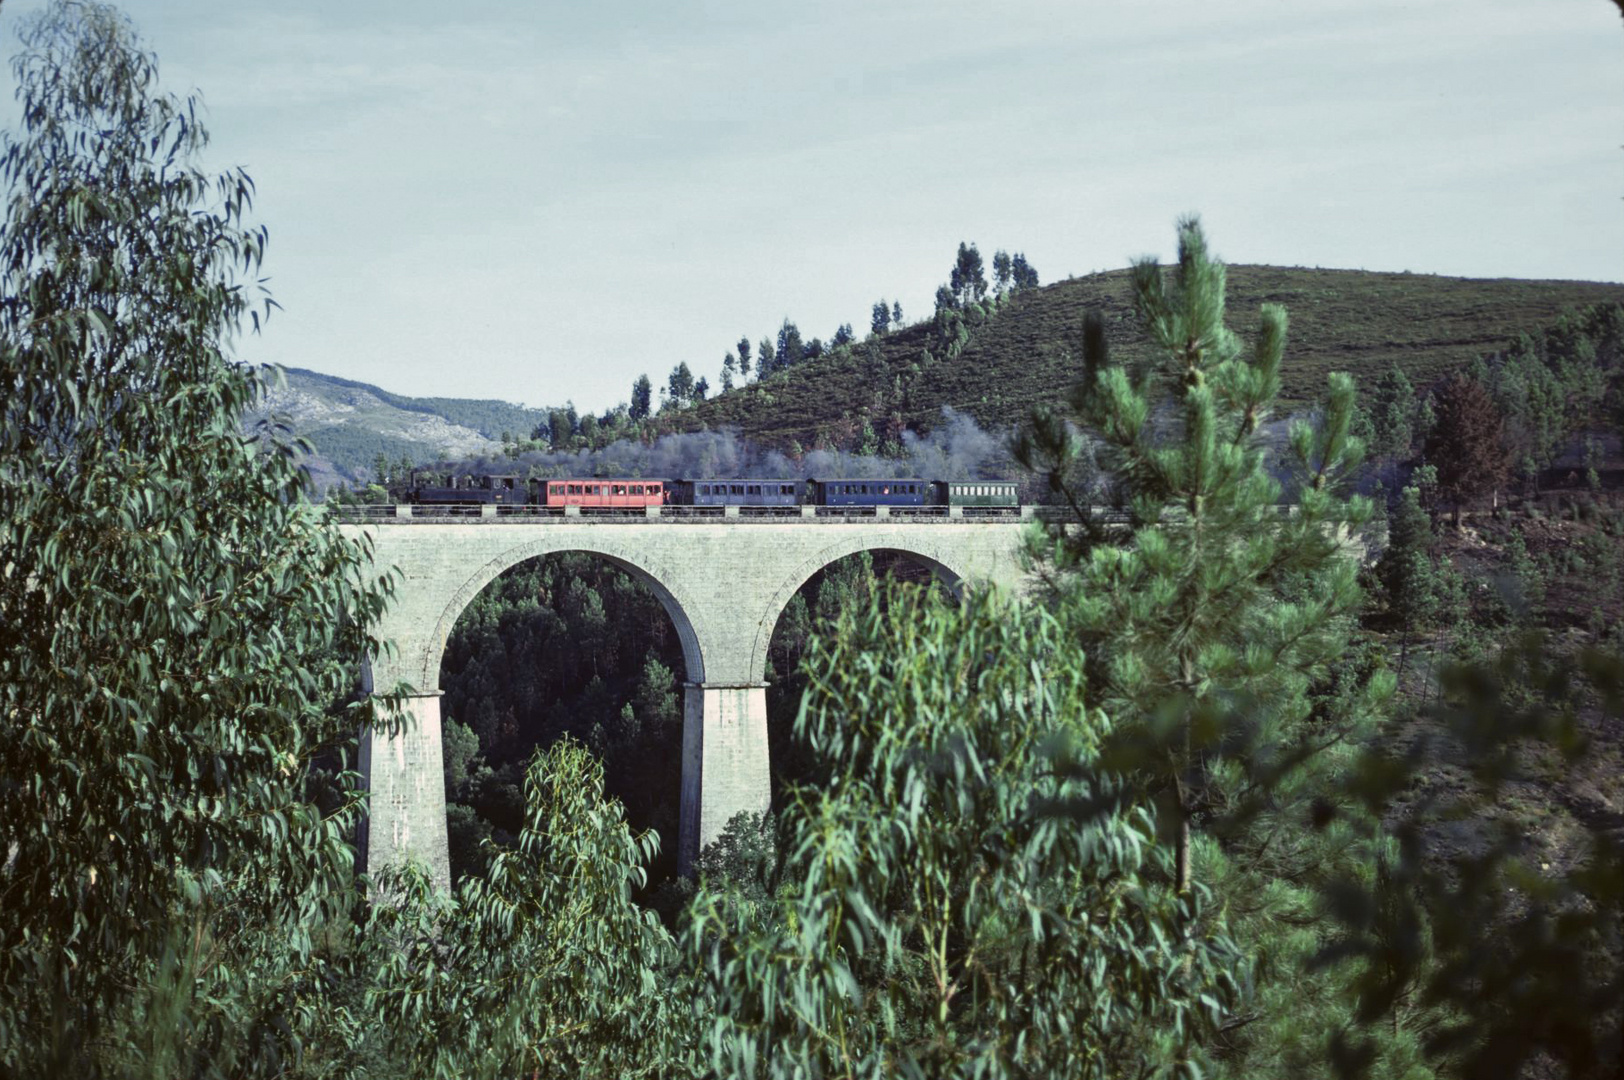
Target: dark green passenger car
975,493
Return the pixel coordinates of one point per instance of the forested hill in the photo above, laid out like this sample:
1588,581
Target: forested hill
995,368
993,361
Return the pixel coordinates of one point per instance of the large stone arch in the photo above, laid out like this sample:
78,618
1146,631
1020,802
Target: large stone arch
658,579
946,566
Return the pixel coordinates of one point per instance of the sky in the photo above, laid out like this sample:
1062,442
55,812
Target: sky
540,201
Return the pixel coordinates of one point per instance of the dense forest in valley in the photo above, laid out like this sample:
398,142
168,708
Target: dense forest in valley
1215,799
570,647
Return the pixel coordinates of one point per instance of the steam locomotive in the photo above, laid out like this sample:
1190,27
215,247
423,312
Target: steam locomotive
628,493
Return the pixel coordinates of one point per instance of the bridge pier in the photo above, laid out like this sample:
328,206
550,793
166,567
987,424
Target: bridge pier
405,778
724,763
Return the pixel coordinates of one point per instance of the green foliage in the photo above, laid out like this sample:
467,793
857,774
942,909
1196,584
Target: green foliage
1358,321
1023,275
789,350
1394,416
1407,570
543,967
968,281
1550,385
1525,580
566,645
880,317
1520,962
176,621
642,398
1466,443
1210,617
951,902
680,386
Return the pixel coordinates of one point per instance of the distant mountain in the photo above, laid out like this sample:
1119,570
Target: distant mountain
351,423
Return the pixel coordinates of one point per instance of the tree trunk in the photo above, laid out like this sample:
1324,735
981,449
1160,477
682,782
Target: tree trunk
1181,859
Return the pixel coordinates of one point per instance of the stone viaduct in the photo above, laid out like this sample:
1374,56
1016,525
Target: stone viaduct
723,580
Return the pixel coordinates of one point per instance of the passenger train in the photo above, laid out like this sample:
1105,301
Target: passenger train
629,493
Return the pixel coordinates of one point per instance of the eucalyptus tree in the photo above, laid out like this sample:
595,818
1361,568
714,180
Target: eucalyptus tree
176,620
544,965
963,892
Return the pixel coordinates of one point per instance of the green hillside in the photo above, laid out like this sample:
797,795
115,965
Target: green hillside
1350,320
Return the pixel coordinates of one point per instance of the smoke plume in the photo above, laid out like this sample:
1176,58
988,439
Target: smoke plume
957,449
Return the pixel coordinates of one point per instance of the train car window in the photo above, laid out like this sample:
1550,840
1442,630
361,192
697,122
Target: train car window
654,489
736,489
753,489
788,489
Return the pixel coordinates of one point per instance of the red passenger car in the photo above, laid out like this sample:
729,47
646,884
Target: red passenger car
603,492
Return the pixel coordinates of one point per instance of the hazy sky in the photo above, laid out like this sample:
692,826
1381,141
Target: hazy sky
539,201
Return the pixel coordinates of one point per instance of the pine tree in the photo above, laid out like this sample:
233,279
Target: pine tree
560,430
968,279
1209,618
1393,416
729,364
1406,569
680,385
880,318
896,314
766,359
642,398
744,359
1024,274
789,350
1002,272
1466,442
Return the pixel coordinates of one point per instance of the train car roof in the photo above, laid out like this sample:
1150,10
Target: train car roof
738,480
867,480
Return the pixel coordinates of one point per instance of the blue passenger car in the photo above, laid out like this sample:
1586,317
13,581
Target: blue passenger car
906,491
737,492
